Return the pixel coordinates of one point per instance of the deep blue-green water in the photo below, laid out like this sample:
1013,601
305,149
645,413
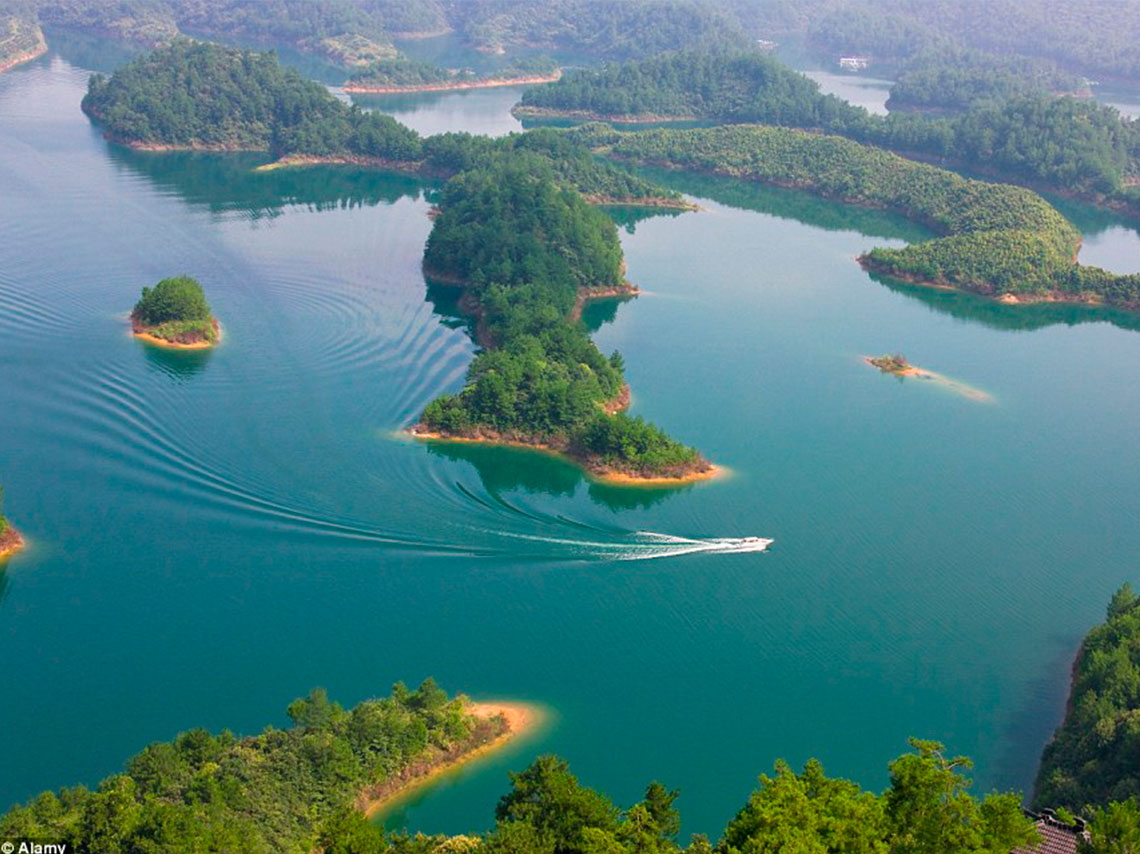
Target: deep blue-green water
213,534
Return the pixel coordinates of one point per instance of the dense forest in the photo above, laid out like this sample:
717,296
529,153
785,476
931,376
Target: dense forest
599,28
140,22
1066,144
197,95
956,80
409,73
527,252
175,310
285,790
293,791
1095,756
997,238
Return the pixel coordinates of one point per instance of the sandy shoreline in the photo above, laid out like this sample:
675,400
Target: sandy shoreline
141,334
607,476
10,542
520,719
454,86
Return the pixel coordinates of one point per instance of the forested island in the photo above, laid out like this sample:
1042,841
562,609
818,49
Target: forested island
957,80
174,313
1075,147
996,239
527,253
255,104
407,75
10,539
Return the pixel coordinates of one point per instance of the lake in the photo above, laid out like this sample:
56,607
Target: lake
213,534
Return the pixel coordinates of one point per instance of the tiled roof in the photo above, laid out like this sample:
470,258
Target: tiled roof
1056,837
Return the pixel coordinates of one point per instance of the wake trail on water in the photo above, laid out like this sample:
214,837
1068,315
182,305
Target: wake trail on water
649,545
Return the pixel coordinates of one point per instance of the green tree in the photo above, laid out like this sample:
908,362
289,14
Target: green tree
549,798
930,811
1114,829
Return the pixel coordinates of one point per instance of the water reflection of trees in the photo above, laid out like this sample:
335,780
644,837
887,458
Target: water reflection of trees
795,205
179,365
229,183
513,469
971,307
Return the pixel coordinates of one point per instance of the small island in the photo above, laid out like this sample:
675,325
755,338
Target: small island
896,364
174,313
10,539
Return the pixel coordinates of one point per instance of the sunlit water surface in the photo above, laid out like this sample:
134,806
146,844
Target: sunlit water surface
212,534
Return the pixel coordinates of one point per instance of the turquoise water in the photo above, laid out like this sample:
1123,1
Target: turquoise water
213,534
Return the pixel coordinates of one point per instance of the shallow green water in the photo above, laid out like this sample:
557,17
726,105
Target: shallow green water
213,534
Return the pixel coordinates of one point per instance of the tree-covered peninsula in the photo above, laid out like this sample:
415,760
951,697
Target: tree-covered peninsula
285,791
409,75
21,39
175,313
1094,757
1072,146
295,790
10,539
528,253
995,239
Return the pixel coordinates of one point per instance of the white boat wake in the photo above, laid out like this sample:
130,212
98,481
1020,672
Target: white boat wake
649,545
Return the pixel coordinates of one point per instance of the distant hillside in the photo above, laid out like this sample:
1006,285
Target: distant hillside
1069,145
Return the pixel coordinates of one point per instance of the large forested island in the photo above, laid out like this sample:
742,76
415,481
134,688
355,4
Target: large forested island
528,253
996,239
201,96
407,75
174,313
1072,146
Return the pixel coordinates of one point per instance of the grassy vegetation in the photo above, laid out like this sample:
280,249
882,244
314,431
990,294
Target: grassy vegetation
891,363
997,239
